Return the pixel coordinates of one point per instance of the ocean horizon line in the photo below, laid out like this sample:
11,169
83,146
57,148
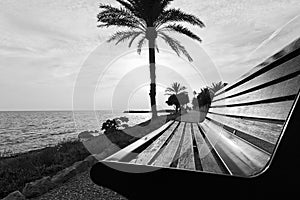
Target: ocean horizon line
80,110
54,110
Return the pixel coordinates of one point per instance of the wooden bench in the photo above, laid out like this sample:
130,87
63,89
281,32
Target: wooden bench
241,128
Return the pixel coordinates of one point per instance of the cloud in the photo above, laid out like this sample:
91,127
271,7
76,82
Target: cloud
44,44
272,36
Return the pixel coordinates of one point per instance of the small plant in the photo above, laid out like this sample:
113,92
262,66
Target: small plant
112,125
109,125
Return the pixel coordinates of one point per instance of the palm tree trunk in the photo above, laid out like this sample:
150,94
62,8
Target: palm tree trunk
152,77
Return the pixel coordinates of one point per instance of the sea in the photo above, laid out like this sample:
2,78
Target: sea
22,131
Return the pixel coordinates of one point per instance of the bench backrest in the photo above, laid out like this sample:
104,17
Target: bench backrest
241,127
256,106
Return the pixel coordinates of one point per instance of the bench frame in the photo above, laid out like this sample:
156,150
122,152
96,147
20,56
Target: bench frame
116,170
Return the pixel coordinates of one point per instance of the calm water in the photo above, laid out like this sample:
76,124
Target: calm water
22,131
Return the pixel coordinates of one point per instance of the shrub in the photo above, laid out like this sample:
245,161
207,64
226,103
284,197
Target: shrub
203,99
178,100
112,125
20,169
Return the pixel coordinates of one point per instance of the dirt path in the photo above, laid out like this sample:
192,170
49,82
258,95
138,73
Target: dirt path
80,187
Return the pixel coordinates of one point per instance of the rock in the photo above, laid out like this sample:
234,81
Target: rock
38,187
64,175
81,166
16,195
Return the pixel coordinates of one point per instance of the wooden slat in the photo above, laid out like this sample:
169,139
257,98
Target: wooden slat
165,158
118,156
277,111
186,155
240,157
208,161
285,88
291,48
262,130
284,69
145,156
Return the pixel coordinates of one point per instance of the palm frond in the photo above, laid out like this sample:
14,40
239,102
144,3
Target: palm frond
127,5
176,15
156,46
140,45
125,37
175,88
182,88
165,3
122,36
170,89
170,42
175,85
133,9
139,14
113,21
180,29
140,8
111,16
216,86
133,38
175,45
148,10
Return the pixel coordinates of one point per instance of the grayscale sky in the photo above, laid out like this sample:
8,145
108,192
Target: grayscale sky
45,45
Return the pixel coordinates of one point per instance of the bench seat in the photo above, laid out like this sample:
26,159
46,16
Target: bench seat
240,130
196,146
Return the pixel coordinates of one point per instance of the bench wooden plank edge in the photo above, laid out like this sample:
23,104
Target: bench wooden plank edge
239,157
208,161
147,155
291,83
256,142
118,156
289,52
278,110
256,130
170,150
186,156
215,152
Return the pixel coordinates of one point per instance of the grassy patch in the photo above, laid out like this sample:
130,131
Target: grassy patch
17,170
20,169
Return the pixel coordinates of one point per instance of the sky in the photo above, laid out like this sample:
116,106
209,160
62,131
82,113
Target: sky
53,56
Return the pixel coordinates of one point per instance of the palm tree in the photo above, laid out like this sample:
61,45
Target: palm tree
148,19
216,87
175,89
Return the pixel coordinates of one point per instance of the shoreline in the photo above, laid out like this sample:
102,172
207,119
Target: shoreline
50,160
149,111
28,131
13,155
